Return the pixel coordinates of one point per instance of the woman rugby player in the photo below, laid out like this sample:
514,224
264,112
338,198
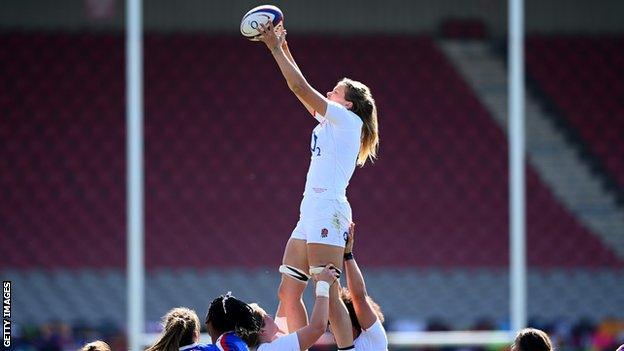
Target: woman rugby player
227,320
366,317
271,338
346,135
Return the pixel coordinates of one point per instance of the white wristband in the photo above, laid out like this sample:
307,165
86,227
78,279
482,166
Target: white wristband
322,289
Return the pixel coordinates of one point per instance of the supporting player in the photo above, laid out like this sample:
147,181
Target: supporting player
366,317
347,134
181,332
271,338
230,320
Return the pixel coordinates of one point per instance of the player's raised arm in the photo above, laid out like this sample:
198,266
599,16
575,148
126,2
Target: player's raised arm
355,283
292,60
294,78
309,334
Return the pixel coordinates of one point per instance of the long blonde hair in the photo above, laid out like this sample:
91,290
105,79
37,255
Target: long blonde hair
181,325
364,106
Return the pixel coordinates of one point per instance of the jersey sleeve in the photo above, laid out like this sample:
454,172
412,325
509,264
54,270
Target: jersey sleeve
288,342
231,342
204,347
318,117
339,116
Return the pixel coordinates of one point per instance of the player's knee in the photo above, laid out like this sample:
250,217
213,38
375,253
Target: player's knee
282,293
287,291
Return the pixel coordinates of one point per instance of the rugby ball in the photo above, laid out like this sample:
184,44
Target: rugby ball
262,14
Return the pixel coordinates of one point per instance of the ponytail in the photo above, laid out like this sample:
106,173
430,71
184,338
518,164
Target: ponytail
364,106
180,326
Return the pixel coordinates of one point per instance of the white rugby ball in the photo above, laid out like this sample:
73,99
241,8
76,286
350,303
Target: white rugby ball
262,14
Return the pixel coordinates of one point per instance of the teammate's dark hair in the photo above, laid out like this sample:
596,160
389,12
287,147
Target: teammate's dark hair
227,313
253,339
531,339
345,295
180,325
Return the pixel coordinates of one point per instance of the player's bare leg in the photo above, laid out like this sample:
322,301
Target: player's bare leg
294,281
321,255
280,319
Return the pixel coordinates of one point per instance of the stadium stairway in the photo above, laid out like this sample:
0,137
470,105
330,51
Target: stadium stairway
580,79
441,172
435,201
558,164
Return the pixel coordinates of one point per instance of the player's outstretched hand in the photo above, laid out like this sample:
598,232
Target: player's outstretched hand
350,239
328,274
270,38
284,43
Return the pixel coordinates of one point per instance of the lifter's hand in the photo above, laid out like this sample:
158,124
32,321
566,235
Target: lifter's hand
350,239
272,40
329,274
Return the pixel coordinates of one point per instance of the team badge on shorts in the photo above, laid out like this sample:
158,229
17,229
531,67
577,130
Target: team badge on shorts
324,233
345,235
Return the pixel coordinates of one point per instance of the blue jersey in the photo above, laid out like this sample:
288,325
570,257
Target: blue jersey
227,342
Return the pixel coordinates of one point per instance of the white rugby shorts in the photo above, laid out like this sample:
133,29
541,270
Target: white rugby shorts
323,221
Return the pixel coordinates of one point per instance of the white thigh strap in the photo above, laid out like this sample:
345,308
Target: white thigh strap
294,273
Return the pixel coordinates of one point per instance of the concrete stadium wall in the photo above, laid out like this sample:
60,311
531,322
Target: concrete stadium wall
347,16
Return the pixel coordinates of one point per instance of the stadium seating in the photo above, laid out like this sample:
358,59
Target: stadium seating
462,28
227,151
583,77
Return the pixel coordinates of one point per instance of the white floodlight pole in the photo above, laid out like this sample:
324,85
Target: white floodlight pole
518,271
134,166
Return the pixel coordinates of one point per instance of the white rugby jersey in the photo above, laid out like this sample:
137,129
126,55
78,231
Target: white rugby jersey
288,342
335,146
372,339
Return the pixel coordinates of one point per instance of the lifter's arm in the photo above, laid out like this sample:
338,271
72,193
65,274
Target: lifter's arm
355,282
309,334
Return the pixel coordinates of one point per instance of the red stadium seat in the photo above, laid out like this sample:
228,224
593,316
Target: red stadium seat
227,150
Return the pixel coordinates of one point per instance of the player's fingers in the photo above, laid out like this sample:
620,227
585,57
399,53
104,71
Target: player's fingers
331,272
323,275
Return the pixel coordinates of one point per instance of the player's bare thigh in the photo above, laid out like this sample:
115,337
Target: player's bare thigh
295,254
322,254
